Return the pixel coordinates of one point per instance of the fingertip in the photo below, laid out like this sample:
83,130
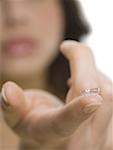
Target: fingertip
9,84
12,94
72,49
4,98
73,45
12,103
68,43
7,91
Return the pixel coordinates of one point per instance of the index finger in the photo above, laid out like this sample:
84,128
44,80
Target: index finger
82,65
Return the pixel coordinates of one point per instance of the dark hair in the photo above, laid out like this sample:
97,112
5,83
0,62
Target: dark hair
75,28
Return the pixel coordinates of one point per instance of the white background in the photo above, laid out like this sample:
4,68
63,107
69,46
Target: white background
99,14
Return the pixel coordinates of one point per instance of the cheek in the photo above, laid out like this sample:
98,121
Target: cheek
49,26
49,23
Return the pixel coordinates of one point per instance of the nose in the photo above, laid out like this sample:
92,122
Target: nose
14,14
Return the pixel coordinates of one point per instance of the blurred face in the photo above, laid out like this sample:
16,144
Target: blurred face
30,34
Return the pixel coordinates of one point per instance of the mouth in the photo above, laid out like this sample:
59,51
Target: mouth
18,47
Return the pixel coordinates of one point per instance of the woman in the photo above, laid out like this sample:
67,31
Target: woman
31,34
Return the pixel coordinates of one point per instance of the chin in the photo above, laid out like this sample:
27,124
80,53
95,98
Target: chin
16,75
24,73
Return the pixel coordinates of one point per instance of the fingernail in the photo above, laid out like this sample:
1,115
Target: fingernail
4,98
91,108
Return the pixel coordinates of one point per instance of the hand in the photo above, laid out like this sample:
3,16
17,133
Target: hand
96,133
42,118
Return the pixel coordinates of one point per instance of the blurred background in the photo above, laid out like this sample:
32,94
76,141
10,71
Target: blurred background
99,14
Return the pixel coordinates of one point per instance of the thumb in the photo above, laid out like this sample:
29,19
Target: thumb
13,103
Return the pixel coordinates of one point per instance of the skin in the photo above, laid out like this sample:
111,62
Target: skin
39,118
31,19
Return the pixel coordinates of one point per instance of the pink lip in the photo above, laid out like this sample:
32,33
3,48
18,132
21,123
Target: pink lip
19,47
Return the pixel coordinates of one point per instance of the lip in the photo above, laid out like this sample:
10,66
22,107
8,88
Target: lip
19,47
